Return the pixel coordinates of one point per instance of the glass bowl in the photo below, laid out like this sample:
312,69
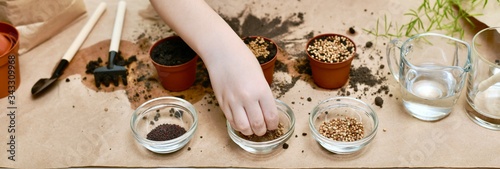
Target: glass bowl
286,118
166,111
343,109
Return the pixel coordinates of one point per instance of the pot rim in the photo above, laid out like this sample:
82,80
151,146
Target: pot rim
166,66
350,58
269,40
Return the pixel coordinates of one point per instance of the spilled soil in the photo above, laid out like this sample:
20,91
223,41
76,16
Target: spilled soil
142,77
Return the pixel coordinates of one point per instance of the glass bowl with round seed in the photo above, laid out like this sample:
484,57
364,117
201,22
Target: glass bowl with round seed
272,139
165,124
343,125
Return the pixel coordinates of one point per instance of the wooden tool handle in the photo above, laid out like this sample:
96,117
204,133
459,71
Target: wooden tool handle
117,29
84,32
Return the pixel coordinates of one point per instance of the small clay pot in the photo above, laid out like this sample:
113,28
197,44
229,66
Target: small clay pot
268,64
5,44
330,75
175,77
9,60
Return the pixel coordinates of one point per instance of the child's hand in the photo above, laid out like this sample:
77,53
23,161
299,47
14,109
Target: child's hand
236,76
244,95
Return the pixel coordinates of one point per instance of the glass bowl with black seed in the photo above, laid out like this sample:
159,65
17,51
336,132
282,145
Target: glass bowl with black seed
270,141
165,124
343,125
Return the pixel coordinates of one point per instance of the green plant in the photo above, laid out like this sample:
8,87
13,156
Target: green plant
435,15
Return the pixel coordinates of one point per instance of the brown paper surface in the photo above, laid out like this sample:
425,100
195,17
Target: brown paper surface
75,125
489,12
38,21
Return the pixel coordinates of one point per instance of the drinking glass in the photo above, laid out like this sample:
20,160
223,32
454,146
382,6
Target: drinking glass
483,90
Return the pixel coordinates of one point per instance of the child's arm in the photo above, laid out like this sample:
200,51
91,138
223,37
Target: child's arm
237,79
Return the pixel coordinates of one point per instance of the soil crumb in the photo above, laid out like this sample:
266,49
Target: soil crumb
275,28
142,78
379,101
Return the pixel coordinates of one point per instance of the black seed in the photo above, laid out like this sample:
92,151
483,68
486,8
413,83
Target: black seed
166,132
178,114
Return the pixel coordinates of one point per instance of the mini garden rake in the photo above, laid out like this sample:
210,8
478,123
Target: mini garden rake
113,73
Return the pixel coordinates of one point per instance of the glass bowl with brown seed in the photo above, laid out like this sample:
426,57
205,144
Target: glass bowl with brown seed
343,125
165,124
268,142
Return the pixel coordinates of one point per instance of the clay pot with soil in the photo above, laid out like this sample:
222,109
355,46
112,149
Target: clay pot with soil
330,57
175,63
266,52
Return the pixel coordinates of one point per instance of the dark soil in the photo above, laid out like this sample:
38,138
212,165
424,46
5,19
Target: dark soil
251,25
352,30
271,47
172,52
94,64
369,44
280,66
119,60
363,75
285,146
275,27
379,101
302,65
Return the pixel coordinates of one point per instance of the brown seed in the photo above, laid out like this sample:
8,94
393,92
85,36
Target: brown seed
270,134
259,47
342,129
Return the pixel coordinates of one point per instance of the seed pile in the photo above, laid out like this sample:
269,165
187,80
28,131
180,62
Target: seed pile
346,129
259,47
331,49
270,135
165,132
263,49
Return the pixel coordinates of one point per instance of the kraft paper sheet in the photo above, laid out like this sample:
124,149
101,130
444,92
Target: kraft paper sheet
74,125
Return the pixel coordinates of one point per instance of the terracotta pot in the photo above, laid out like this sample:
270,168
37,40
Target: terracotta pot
9,60
330,75
177,77
268,67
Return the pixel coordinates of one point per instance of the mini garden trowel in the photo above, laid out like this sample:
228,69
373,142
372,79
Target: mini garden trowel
44,83
111,72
